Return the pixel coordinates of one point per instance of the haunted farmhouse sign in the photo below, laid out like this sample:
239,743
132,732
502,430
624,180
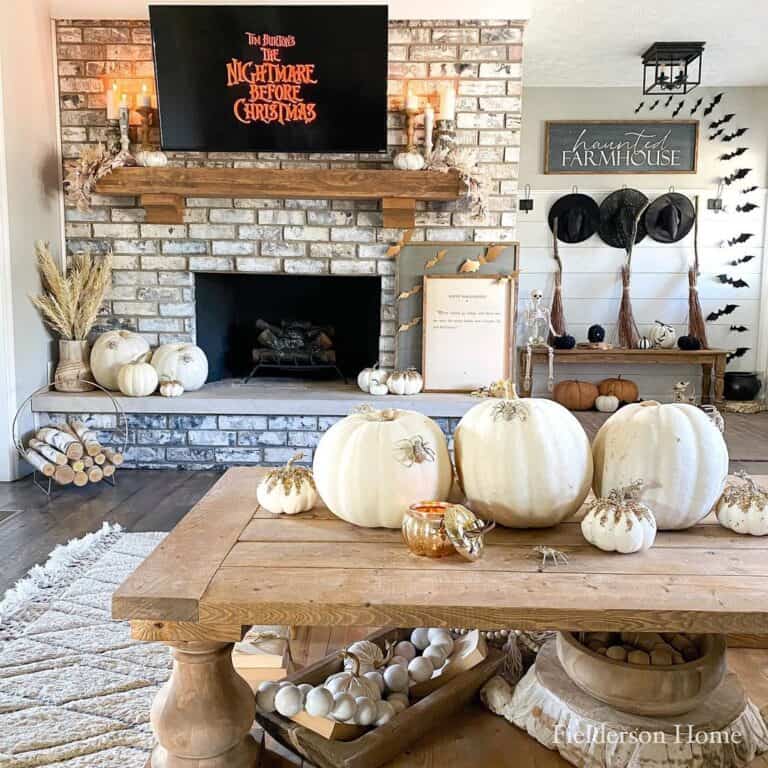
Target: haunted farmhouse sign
631,146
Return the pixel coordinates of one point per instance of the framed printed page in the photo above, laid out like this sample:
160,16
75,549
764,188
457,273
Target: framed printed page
468,331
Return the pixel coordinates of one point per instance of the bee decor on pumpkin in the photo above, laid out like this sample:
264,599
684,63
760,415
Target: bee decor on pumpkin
743,507
662,336
288,490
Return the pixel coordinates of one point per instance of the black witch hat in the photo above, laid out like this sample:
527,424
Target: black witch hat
617,217
669,218
577,216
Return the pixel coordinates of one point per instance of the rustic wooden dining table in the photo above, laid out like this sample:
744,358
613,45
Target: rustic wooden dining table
230,564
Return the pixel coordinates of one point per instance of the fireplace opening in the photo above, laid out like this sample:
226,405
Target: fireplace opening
300,326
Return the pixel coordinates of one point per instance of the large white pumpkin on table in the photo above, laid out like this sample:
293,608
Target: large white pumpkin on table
372,465
112,351
675,449
525,463
185,363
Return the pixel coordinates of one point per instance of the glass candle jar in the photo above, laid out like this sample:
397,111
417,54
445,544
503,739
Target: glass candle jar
423,529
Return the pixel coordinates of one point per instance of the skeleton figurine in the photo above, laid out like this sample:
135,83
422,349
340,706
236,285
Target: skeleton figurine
681,394
538,327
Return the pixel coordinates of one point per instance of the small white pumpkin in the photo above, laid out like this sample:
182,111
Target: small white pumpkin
137,379
523,462
644,343
674,448
288,490
409,161
744,508
619,522
662,335
186,363
378,389
407,382
171,388
368,654
372,465
369,376
607,403
112,351
352,682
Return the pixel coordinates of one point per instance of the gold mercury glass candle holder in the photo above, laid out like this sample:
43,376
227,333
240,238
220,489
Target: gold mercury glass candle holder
423,529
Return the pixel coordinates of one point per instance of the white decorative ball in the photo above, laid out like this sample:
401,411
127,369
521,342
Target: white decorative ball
384,712
436,654
265,696
288,701
344,707
396,678
319,701
405,649
367,710
377,678
420,638
420,669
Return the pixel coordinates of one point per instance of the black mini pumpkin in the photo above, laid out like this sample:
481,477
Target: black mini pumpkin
688,343
596,334
564,342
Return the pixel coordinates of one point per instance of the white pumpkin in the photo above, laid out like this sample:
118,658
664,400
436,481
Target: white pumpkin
744,508
171,388
525,463
288,490
677,451
369,656
619,522
112,351
379,390
352,682
662,335
409,161
372,465
607,403
644,343
137,379
407,382
185,363
370,376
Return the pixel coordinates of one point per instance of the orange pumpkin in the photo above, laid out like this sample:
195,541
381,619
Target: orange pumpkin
624,389
576,395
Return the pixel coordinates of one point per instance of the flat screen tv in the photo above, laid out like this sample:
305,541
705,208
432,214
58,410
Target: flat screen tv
282,78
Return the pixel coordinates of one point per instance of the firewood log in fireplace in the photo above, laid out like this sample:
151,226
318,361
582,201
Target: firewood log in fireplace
294,342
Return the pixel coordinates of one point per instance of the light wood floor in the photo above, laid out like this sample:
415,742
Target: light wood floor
155,500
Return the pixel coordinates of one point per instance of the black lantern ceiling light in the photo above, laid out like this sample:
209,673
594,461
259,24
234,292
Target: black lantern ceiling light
672,68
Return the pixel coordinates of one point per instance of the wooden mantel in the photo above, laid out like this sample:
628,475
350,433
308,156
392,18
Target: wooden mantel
161,191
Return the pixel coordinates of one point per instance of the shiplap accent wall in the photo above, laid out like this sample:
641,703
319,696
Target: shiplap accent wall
592,284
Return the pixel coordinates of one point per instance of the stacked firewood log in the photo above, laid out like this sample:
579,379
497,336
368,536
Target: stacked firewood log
71,454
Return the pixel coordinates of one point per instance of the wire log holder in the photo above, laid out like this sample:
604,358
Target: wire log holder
48,484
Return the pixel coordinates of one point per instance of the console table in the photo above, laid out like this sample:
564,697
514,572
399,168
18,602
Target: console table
712,362
230,564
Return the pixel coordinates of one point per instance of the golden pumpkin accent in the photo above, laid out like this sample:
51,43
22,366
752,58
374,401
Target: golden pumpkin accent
744,495
291,477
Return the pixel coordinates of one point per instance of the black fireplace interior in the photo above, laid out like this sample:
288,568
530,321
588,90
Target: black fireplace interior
341,314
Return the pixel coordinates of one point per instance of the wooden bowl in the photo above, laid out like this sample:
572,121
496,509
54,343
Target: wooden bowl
654,691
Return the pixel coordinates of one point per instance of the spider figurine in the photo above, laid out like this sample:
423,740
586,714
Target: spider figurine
414,450
546,554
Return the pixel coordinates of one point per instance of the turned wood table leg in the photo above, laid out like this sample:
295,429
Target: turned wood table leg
720,362
706,382
203,715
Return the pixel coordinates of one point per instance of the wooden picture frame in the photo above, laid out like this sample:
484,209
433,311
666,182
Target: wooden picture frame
464,349
549,124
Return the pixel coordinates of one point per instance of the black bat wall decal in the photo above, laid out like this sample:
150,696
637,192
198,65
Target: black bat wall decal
639,107
746,208
654,105
739,328
712,104
742,260
739,173
678,108
696,106
668,101
739,239
735,134
728,309
736,283
747,190
722,121
716,134
738,352
735,153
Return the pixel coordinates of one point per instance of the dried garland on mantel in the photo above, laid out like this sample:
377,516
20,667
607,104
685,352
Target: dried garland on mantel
94,163
463,160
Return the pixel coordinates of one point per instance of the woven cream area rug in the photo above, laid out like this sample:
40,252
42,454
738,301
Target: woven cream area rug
75,690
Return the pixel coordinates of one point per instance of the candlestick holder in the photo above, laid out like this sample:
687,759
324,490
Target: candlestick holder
125,139
113,136
145,130
446,135
411,159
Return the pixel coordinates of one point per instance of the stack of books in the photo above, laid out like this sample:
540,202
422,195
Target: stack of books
263,654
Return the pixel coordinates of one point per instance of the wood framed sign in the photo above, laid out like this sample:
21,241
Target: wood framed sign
468,331
621,146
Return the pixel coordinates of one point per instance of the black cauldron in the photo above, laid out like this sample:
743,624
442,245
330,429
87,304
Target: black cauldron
741,386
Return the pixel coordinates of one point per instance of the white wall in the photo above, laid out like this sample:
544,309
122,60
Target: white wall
29,199
591,284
